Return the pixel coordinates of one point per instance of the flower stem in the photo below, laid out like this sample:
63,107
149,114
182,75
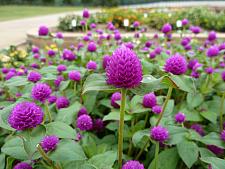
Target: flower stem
48,112
156,155
221,111
75,87
121,126
141,151
165,104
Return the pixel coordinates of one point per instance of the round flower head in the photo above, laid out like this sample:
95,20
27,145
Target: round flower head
209,70
212,51
185,41
192,63
25,115
91,65
159,133
58,81
62,102
36,56
92,47
82,111
223,75
98,125
124,69
148,44
74,75
158,50
86,13
180,117
84,122
22,165
152,55
51,53
9,75
185,22
216,150
43,31
49,143
157,109
59,35
5,70
212,36
61,68
41,92
136,24
176,64
222,135
52,99
35,49
117,36
149,100
115,97
195,29
166,28
105,61
129,45
92,25
198,128
34,76
132,164
82,22
68,55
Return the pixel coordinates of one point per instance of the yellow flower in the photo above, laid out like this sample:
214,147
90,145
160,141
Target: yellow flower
4,58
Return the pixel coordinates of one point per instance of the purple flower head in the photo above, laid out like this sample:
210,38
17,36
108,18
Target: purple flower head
61,68
209,70
92,47
136,24
192,63
222,135
195,29
115,97
5,70
78,137
166,28
148,44
157,109
51,53
80,45
86,13
180,117
185,22
212,51
124,69
62,102
36,56
91,65
82,111
58,81
52,99
9,75
41,92
185,41
198,128
176,64
132,164
137,35
84,122
149,100
35,49
158,50
74,75
159,133
49,143
68,55
86,38
22,165
216,150
92,25
35,66
152,55
25,115
34,76
129,45
59,35
195,74
82,22
212,36
98,125
223,75
222,46
117,36
43,31
105,61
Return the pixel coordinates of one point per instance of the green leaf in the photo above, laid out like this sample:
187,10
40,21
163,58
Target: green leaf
204,152
192,115
97,82
116,116
209,115
216,163
167,159
101,162
68,115
188,152
90,100
17,81
2,161
64,85
67,150
213,139
60,129
177,134
4,114
136,105
48,69
194,99
140,138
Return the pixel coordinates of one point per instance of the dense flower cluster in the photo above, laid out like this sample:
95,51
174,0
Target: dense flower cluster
133,165
49,143
159,133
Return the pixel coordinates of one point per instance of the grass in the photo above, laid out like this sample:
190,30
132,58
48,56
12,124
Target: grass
17,12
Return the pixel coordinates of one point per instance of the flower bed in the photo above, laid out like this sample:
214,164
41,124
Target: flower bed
112,102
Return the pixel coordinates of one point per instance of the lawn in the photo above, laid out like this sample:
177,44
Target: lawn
17,12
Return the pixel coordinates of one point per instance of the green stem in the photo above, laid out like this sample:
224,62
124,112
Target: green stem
156,155
121,126
164,105
141,151
221,111
75,87
48,112
130,144
146,119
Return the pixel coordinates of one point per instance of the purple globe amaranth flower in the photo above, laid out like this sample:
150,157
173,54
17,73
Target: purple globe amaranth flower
158,50
159,133
198,128
222,135
36,56
124,69
91,65
43,31
68,55
49,143
58,81
180,117
212,36
22,165
61,68
98,125
82,22
176,64
149,100
51,53
5,70
9,75
152,55
132,164
192,63
62,102
216,150
209,70
84,122
223,75
157,109
34,76
185,22
105,61
41,92
212,51
117,36
129,45
166,28
35,49
185,41
136,24
195,74
148,44
35,66
59,35
52,99
25,115
91,47
74,75
86,38
86,13
82,111
92,25
80,45
222,46
115,97
195,29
